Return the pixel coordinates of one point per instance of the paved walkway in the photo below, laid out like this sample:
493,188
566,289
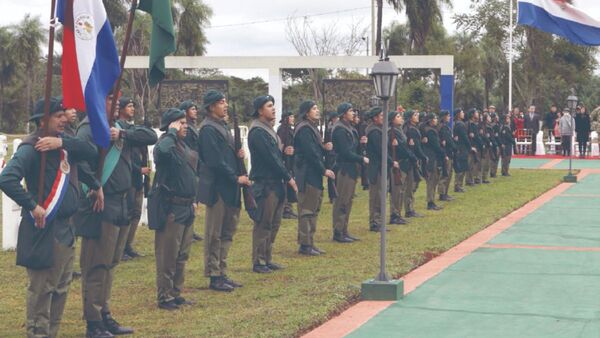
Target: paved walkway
534,273
560,163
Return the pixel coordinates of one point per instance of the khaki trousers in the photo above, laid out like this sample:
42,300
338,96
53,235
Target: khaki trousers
375,217
265,231
397,195
409,191
485,164
309,207
136,214
432,181
506,164
47,293
221,225
444,184
172,247
98,260
473,172
494,166
342,206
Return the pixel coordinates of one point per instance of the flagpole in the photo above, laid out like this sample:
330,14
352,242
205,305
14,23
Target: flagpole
510,57
47,100
117,87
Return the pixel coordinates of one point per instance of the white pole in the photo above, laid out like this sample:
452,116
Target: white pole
373,27
510,57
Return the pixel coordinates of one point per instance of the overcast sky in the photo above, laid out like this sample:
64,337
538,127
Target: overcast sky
257,27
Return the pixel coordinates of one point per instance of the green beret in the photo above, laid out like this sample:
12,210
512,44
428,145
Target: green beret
343,108
211,97
392,115
408,115
444,113
172,114
38,111
124,101
457,111
374,112
285,115
305,107
470,113
261,101
430,117
187,104
332,114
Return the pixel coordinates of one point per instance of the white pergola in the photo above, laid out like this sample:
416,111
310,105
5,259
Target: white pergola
275,64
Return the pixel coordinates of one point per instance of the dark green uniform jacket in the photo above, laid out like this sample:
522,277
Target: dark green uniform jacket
412,133
218,172
120,181
506,139
286,135
34,246
433,149
268,170
446,140
345,144
176,168
191,140
463,147
404,154
309,156
474,135
374,136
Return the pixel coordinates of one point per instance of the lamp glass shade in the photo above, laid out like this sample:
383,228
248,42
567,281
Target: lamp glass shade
385,76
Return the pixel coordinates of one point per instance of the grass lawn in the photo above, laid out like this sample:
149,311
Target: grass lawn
289,302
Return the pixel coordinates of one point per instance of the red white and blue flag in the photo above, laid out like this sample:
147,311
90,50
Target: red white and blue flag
90,63
59,187
560,18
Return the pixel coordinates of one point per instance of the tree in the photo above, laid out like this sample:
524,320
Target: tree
191,16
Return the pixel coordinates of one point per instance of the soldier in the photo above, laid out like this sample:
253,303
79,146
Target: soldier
104,228
190,109
348,161
496,124
436,158
507,142
487,137
176,166
285,131
413,139
475,139
463,150
46,241
332,118
374,136
220,183
406,159
140,172
309,167
449,147
269,176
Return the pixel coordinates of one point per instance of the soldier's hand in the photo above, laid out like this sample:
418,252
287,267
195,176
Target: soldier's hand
471,135
48,143
99,202
365,160
443,143
396,165
292,184
424,140
447,158
395,142
474,149
456,138
330,174
411,142
289,150
243,180
39,216
146,170
114,134
241,153
175,125
364,140
328,146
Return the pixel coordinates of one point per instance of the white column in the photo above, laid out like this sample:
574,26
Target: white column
276,90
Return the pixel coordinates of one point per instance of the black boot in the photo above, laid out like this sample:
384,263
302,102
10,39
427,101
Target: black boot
352,237
113,326
217,283
168,305
231,282
340,238
432,206
459,190
289,214
308,250
97,330
196,237
413,214
259,268
131,252
275,266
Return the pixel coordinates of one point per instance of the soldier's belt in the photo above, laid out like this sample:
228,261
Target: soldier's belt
180,200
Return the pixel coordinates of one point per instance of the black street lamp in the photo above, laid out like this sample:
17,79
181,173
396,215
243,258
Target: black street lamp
384,75
571,104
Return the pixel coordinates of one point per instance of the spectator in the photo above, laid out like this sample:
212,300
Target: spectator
566,128
583,129
519,126
549,120
532,122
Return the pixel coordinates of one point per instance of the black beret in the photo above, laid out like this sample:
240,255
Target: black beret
172,114
187,104
444,113
305,107
211,97
261,101
343,108
124,101
332,115
285,115
38,111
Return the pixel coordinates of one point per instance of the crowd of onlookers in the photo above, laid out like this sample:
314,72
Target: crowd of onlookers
558,127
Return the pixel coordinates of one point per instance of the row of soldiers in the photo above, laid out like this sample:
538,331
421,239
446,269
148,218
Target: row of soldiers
203,165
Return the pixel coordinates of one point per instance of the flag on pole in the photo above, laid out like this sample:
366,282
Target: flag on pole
560,18
163,36
90,63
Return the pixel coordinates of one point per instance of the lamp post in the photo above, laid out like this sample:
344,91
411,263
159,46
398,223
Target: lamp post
571,104
384,75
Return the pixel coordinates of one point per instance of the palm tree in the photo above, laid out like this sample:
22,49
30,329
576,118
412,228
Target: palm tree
190,17
8,64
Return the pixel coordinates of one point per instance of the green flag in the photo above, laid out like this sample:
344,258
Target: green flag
163,36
